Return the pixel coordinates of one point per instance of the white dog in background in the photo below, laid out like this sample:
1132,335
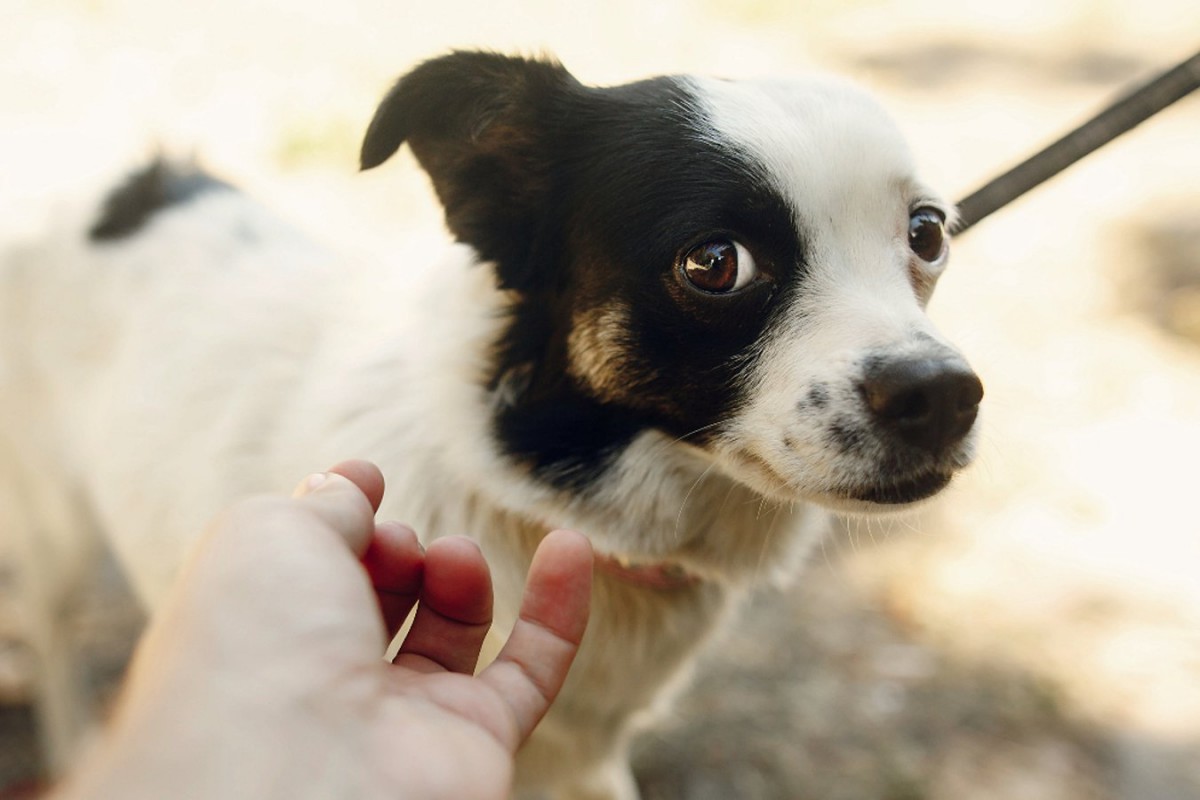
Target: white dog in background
683,315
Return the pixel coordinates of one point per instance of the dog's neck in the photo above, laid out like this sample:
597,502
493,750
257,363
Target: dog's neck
659,521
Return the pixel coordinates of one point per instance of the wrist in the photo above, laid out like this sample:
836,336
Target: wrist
216,743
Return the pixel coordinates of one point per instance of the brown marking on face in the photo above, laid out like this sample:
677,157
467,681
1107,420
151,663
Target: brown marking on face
598,352
602,356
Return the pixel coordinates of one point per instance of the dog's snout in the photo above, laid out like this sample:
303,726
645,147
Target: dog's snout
930,403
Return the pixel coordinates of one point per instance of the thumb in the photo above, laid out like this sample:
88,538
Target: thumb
341,504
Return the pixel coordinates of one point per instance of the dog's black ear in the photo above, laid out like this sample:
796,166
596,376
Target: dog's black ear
478,123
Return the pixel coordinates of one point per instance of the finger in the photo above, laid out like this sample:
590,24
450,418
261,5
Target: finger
341,504
395,561
533,664
454,612
366,476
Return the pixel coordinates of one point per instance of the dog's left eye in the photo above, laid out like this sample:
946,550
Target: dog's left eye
719,267
927,233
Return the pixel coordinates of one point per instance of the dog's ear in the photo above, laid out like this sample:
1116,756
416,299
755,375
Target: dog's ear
478,123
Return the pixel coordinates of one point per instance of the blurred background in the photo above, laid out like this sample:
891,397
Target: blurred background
1036,633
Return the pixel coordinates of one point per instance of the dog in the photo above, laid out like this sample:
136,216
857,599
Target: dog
683,315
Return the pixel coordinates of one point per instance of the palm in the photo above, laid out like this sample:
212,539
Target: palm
468,726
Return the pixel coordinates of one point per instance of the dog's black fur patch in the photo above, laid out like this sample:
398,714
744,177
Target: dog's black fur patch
569,440
846,436
586,198
159,185
818,398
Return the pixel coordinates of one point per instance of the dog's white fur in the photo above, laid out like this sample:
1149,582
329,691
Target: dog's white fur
842,164
147,382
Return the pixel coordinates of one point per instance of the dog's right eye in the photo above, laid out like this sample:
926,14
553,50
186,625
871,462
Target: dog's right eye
719,267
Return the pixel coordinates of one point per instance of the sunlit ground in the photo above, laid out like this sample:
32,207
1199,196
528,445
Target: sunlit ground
1067,561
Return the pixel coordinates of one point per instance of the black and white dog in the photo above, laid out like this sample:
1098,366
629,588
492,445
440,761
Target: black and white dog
683,315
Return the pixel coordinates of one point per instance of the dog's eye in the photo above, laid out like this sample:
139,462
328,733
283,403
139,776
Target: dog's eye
927,233
719,266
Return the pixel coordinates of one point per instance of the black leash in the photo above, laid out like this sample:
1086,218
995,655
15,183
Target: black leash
1126,112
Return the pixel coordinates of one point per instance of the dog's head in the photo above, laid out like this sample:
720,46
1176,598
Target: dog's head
741,266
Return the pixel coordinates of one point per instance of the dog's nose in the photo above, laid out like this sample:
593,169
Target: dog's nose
930,403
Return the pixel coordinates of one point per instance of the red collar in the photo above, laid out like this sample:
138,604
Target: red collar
660,575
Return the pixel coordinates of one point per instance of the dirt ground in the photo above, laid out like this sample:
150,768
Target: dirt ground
1036,633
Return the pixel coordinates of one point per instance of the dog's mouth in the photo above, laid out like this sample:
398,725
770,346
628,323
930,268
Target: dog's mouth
899,488
898,492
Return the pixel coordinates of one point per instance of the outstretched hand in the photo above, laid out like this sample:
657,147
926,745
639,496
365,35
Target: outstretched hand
263,675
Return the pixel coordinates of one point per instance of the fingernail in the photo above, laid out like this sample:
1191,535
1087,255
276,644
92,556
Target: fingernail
310,483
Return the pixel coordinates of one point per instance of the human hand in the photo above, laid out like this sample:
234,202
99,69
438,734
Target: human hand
262,676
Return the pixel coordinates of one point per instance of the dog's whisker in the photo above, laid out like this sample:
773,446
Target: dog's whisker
768,539
825,553
856,535
889,529
725,501
683,505
870,531
912,526
761,503
663,446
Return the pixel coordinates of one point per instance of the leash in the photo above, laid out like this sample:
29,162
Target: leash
1127,112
